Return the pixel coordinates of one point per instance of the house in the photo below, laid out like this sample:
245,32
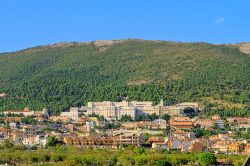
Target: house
55,126
219,137
204,123
158,124
35,140
13,119
159,145
231,120
5,133
243,119
221,146
219,123
216,117
14,125
182,135
247,149
154,139
174,144
236,147
223,136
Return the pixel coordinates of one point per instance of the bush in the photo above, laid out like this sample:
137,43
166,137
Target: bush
44,157
52,142
162,163
207,159
58,157
139,150
34,158
7,144
19,147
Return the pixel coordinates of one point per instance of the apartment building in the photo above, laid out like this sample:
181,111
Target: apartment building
111,110
30,131
204,123
114,141
181,123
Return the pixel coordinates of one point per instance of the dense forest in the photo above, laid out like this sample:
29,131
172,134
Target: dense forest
70,74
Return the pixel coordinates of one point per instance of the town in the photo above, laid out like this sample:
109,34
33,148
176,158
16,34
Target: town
181,127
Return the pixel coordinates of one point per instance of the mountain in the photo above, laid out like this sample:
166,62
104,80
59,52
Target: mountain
70,74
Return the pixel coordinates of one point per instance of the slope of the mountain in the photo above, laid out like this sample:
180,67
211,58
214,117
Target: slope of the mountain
244,47
70,74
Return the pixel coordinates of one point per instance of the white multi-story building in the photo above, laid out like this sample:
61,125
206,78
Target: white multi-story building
108,112
130,111
73,113
112,112
115,110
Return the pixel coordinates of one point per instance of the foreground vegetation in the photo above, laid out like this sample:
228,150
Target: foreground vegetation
71,156
72,74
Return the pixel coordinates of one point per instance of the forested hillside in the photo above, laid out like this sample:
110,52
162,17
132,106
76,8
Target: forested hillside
70,74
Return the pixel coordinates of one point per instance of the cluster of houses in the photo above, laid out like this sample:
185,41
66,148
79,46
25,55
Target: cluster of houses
183,138
82,126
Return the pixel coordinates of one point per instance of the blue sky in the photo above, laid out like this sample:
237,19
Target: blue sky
27,23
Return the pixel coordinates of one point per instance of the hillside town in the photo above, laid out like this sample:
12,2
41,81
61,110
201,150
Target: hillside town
180,127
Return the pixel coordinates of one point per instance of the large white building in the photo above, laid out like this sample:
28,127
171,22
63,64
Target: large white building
115,110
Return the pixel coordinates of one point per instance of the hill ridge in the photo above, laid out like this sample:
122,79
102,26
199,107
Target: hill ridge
60,76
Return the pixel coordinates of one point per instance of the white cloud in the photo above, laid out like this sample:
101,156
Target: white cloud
219,20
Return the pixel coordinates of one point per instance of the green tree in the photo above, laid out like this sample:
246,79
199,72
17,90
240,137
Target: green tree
7,144
29,120
166,117
190,112
126,118
52,142
139,150
207,159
